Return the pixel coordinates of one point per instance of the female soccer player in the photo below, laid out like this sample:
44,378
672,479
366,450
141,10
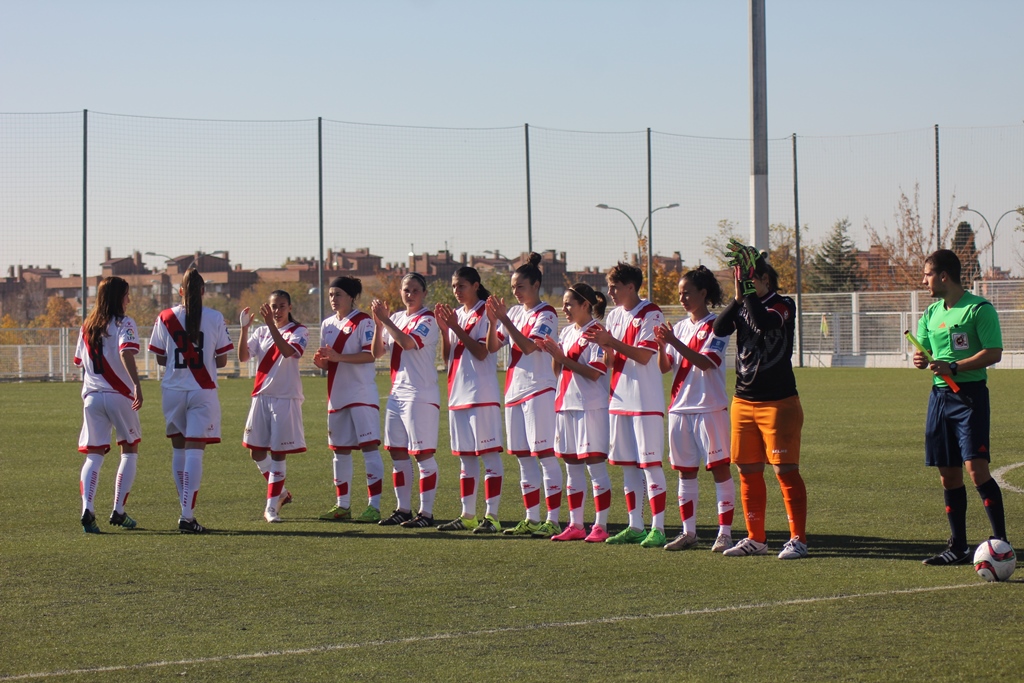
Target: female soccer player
581,427
637,403
275,417
529,396
413,409
766,412
112,396
353,405
698,416
192,342
474,415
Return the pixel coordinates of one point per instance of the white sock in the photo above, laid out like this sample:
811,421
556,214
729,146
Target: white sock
633,486
656,494
602,489
576,492
374,477
125,479
494,471
469,473
401,474
726,503
529,483
191,478
275,483
343,479
688,494
89,479
428,485
178,467
552,469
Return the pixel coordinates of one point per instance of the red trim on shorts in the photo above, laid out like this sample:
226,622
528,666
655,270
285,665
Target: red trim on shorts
84,450
519,454
360,447
425,451
527,398
296,450
496,449
396,449
542,454
634,413
472,405
126,442
171,436
680,468
200,440
255,448
649,465
353,405
575,458
622,463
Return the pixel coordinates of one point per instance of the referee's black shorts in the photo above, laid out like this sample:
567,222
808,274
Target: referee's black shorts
953,432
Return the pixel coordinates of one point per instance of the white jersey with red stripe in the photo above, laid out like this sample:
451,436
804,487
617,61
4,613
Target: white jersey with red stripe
414,371
529,375
277,376
104,369
695,390
471,382
576,392
190,366
350,384
636,389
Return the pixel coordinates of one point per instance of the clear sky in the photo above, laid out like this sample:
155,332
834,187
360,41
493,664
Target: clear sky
835,69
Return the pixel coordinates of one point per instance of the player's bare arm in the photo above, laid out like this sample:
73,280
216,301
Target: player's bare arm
666,336
128,358
607,340
451,320
245,317
286,349
382,314
525,344
559,359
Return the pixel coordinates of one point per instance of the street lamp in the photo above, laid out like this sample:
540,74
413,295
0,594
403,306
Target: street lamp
991,231
639,238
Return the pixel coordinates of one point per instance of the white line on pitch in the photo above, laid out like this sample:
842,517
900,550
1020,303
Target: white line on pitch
998,476
481,632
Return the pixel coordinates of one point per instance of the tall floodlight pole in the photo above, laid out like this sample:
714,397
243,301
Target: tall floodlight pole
758,128
991,233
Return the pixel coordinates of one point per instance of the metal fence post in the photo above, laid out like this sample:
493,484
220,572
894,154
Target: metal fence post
855,323
320,199
85,213
938,199
529,199
799,282
650,225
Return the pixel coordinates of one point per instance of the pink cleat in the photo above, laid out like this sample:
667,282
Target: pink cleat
597,534
571,533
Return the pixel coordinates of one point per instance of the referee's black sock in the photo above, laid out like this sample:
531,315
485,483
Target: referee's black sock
956,513
992,496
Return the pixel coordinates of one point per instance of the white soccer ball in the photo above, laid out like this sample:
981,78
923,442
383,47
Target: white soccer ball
994,560
245,317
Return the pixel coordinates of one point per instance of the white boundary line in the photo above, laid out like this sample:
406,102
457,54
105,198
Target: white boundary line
998,476
481,632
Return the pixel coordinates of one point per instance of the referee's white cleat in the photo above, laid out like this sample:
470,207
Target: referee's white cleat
747,546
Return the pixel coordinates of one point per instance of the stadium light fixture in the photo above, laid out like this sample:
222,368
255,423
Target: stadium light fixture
639,234
991,232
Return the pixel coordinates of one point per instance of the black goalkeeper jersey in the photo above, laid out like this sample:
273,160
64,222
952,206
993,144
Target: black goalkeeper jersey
764,345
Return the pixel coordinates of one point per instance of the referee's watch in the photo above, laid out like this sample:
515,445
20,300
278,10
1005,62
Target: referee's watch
953,367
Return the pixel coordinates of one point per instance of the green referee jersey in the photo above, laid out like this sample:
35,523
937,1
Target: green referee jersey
953,334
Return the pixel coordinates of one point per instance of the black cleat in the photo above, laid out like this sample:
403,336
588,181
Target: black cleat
191,526
396,518
949,556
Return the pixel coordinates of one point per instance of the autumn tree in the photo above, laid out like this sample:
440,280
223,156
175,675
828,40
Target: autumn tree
305,306
905,249
834,266
965,249
59,313
387,287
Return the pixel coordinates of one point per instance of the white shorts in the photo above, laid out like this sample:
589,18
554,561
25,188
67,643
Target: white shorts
193,414
581,434
102,412
636,440
275,425
475,431
352,428
531,425
696,436
411,426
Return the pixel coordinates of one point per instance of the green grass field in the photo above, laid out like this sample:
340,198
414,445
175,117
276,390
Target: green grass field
316,601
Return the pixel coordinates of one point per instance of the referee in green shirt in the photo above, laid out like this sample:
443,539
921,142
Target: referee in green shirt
962,332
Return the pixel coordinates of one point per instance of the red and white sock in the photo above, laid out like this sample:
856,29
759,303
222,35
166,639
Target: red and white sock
576,492
467,484
552,471
656,493
275,484
494,471
191,478
529,484
125,479
374,477
726,502
633,486
401,476
178,467
602,489
688,494
428,485
89,480
342,464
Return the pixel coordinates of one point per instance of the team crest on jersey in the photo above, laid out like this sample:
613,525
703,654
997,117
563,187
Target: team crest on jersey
347,329
472,320
636,322
960,341
582,342
702,334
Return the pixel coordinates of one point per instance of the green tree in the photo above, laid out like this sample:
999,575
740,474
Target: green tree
834,266
964,247
716,242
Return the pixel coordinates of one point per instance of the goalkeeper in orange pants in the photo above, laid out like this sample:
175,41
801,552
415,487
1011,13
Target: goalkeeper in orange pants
766,414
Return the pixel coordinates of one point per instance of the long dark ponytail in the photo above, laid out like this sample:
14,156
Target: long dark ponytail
192,286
